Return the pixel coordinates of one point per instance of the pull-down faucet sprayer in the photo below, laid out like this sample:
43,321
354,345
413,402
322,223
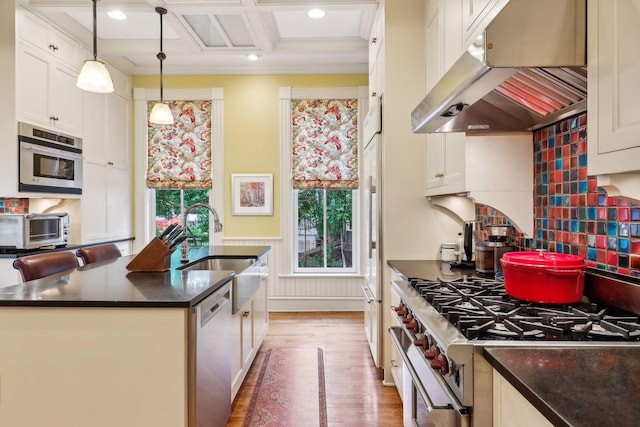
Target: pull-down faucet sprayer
217,227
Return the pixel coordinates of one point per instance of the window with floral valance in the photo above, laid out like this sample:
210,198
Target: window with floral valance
324,143
179,155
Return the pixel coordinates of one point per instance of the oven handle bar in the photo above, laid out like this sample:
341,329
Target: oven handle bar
462,410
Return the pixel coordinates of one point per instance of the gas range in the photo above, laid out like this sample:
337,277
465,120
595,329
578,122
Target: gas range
448,322
481,310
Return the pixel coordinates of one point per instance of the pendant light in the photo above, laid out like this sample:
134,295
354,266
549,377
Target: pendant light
94,76
161,113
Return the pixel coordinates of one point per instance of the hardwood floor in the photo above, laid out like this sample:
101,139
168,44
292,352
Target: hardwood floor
355,394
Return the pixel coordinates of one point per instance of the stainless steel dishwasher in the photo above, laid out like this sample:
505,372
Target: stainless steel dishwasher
210,360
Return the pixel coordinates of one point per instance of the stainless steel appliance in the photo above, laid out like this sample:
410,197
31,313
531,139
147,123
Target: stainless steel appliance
210,360
445,325
493,242
527,69
33,231
50,162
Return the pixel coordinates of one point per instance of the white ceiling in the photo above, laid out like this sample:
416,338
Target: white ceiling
215,36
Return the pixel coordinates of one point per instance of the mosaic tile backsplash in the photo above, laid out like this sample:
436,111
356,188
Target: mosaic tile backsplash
572,215
10,205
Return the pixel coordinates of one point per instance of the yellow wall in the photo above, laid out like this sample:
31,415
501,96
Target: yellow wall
252,132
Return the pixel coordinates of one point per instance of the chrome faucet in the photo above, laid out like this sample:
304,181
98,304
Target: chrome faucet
217,227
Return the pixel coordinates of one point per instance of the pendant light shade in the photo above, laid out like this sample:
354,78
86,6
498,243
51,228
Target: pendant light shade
94,76
161,113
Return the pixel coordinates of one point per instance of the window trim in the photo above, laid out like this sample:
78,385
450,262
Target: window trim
287,211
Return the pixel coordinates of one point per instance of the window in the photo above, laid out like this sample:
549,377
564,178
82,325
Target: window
325,238
324,184
169,207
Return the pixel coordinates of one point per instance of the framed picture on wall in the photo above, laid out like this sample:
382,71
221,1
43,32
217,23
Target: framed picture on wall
252,194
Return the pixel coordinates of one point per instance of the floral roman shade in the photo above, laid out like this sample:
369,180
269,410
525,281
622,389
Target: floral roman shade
325,143
179,155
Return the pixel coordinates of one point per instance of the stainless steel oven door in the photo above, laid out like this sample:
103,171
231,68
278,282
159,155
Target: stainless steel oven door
427,401
49,170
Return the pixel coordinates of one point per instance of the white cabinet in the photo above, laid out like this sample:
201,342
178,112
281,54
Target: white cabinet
46,91
47,67
613,92
249,327
107,185
476,14
444,153
511,409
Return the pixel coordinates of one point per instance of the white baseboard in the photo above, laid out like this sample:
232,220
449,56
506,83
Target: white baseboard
289,304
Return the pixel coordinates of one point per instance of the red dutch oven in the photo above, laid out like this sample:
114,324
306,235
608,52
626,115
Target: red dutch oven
544,277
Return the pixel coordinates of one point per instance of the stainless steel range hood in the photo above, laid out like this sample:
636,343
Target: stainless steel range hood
526,70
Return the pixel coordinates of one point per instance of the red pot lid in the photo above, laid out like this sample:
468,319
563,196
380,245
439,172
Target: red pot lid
544,259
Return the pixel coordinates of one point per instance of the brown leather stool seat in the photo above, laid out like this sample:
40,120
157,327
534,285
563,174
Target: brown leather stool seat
97,253
36,266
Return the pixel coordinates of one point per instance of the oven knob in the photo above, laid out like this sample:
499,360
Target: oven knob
440,363
432,353
401,310
421,341
407,318
413,325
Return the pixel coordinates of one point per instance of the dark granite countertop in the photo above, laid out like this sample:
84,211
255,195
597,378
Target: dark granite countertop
110,284
594,386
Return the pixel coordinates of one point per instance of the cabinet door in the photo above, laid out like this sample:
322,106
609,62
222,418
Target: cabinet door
94,201
247,334
118,130
260,305
434,160
476,15
614,128
32,91
119,202
65,99
510,408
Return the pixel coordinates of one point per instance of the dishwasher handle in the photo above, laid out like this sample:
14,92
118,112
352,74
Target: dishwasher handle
213,304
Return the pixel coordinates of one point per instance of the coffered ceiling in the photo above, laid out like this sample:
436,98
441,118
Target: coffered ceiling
215,36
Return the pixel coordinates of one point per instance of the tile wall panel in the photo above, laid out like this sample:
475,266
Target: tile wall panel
572,215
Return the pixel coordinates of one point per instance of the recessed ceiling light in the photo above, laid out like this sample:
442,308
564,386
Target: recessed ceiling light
253,57
316,13
117,14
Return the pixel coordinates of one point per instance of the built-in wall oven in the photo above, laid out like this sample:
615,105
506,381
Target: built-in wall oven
50,161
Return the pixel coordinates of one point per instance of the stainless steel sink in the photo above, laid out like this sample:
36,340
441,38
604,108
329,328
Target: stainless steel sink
243,285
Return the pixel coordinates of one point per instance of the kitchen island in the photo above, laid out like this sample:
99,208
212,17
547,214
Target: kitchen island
102,346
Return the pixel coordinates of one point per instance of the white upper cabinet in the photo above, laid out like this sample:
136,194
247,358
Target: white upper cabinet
476,14
613,88
46,71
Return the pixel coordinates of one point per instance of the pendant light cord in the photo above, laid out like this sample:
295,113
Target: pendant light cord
161,56
95,30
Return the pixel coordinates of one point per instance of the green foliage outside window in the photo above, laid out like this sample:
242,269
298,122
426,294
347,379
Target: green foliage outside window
169,210
312,222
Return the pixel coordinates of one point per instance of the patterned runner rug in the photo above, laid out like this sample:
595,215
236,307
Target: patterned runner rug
290,390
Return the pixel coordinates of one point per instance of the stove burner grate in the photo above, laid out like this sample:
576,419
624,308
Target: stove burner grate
481,309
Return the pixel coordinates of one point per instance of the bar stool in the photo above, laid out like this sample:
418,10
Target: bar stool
92,254
34,267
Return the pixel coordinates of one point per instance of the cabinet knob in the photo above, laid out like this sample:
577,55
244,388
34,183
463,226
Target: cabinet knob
374,94
246,314
54,118
110,163
53,47
374,40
